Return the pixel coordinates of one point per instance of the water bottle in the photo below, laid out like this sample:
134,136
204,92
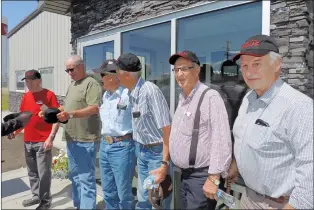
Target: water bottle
228,200
149,183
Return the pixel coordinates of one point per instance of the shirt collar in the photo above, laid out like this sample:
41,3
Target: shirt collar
118,92
190,96
268,96
137,87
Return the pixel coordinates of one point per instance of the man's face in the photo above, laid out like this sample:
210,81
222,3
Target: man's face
186,73
124,78
258,72
110,81
74,70
32,84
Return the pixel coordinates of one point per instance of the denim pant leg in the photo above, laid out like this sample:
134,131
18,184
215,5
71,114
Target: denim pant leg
73,174
108,183
85,155
122,161
148,159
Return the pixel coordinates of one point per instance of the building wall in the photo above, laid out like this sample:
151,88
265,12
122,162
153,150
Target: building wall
290,24
4,52
42,42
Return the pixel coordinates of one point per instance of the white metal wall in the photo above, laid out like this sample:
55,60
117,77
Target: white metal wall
42,42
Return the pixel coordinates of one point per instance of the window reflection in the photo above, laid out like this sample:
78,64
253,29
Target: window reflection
152,46
216,37
95,55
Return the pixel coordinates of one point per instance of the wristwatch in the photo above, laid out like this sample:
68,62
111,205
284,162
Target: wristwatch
215,181
165,162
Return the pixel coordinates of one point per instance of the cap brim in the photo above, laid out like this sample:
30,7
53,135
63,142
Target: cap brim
174,58
260,54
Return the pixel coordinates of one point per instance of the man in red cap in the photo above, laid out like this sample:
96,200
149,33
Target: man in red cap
273,133
38,139
200,141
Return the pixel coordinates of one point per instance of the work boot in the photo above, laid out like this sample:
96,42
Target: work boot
30,202
44,204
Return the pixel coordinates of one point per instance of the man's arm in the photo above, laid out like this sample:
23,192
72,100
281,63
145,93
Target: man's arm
89,110
166,134
220,138
301,139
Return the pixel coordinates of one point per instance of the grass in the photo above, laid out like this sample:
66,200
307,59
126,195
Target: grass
4,99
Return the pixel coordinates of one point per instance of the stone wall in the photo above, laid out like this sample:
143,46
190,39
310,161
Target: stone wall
292,25
15,99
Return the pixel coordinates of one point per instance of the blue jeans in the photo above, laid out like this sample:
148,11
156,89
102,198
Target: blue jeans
148,158
82,160
117,166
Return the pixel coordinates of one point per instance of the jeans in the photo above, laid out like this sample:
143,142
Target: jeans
82,160
117,166
148,158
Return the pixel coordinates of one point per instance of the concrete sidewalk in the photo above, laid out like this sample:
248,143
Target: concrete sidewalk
15,188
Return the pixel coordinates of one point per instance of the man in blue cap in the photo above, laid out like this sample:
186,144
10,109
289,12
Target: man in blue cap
117,151
151,126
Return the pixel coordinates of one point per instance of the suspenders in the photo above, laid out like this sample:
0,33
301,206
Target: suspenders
195,132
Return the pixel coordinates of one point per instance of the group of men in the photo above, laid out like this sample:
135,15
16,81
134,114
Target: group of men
273,134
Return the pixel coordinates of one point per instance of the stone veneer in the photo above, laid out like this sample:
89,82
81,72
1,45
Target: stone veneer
291,24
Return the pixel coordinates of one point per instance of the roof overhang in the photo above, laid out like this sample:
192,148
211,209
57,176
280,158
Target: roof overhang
61,7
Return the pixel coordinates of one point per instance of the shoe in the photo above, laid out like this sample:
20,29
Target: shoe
30,202
44,205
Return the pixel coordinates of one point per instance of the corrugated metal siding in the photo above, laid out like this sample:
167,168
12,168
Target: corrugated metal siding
43,42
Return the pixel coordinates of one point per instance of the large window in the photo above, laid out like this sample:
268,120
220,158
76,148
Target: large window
152,46
216,36
19,75
47,77
95,55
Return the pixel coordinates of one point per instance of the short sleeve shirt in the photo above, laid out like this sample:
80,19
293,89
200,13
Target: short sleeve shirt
80,95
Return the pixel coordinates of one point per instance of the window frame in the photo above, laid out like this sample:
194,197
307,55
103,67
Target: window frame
115,33
49,68
25,88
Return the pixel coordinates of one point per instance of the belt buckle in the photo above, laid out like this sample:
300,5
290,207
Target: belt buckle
109,139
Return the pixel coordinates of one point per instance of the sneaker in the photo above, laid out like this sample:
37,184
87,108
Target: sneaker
44,205
30,202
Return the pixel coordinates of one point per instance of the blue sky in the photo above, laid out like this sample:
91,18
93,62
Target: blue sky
16,11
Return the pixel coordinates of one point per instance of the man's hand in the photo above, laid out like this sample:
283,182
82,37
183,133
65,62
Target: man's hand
233,172
48,144
160,174
41,114
210,189
11,136
63,116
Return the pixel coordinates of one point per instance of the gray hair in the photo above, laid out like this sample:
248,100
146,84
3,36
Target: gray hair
273,56
136,74
76,59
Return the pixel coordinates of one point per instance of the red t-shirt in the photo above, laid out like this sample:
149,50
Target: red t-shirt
37,130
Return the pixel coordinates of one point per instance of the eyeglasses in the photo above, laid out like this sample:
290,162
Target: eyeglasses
71,70
183,69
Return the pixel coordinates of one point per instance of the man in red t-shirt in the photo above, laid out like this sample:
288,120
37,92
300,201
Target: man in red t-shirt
38,140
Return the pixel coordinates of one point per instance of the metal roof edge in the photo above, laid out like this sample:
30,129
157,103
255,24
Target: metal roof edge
36,12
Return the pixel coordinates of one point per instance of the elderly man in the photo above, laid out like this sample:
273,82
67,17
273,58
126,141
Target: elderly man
81,132
273,133
151,126
38,140
200,141
117,151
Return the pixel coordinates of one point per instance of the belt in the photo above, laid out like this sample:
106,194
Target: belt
151,145
113,139
193,170
281,199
